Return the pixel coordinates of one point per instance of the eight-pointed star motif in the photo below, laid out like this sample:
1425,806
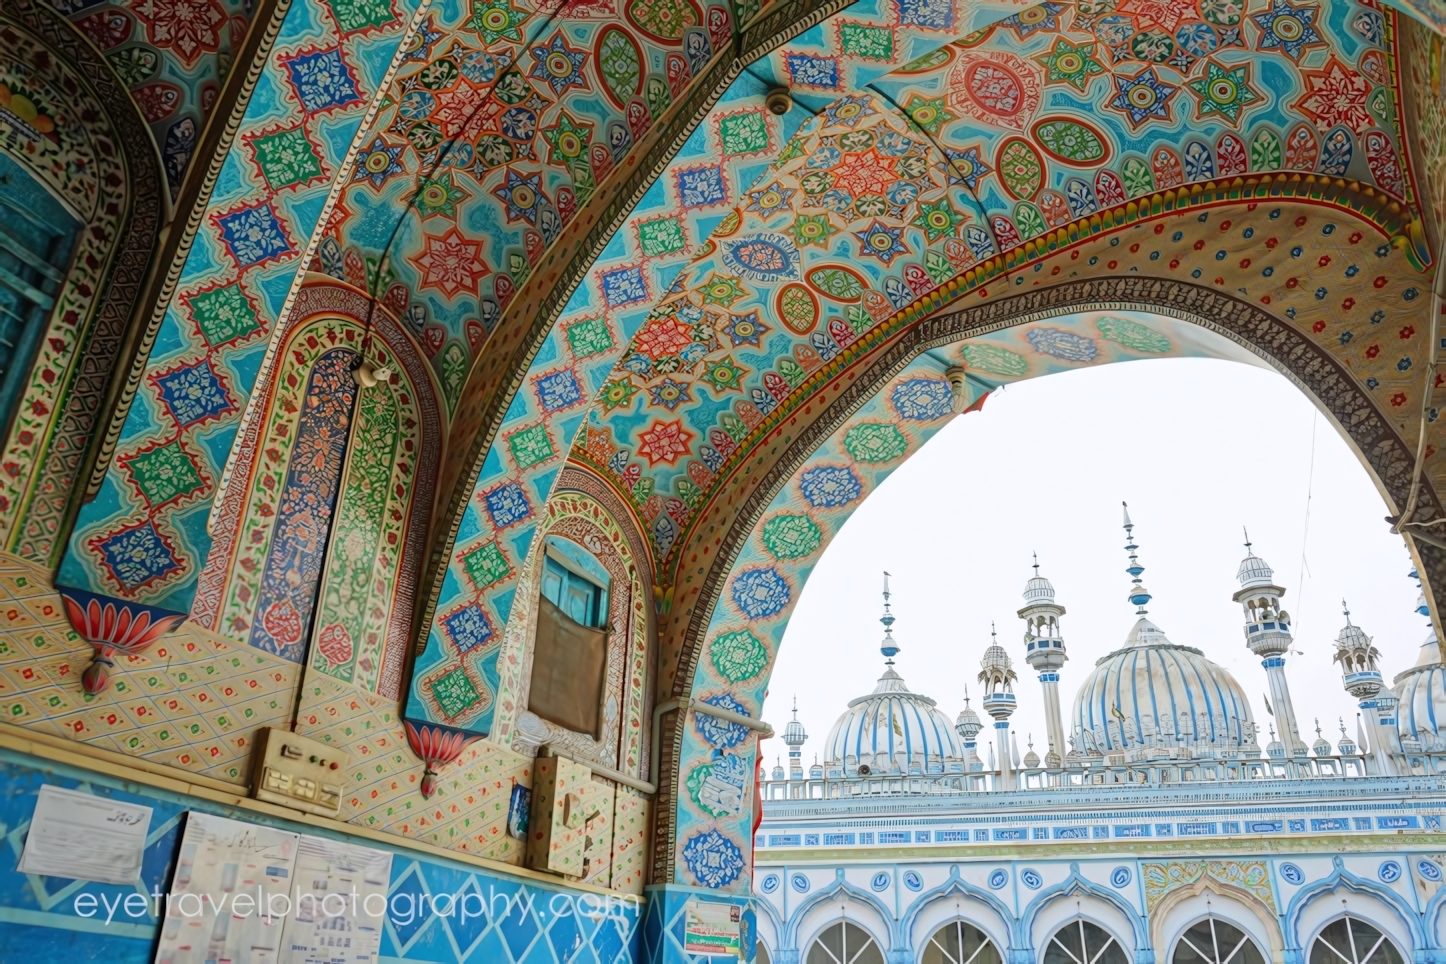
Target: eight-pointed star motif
451,264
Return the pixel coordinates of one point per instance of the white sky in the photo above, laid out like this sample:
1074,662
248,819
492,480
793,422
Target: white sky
1198,447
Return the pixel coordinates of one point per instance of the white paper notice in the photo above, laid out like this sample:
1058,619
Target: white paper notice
230,894
85,837
336,885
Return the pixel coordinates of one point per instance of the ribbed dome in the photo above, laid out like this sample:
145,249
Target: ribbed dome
1352,636
1169,697
893,731
1422,692
1038,589
996,657
1254,572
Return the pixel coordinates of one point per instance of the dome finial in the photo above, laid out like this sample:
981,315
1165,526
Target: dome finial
1036,563
888,647
1247,537
1139,595
1347,610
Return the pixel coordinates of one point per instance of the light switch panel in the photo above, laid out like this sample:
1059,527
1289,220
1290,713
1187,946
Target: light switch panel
299,773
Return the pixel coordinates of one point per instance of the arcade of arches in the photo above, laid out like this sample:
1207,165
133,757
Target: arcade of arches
463,392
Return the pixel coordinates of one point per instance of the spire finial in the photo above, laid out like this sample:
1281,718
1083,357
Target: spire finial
1317,729
1139,595
1036,564
966,696
795,706
888,647
992,633
1347,610
1247,537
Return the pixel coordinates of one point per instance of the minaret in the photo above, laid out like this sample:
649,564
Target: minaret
794,736
1362,679
1044,652
997,675
1267,633
968,727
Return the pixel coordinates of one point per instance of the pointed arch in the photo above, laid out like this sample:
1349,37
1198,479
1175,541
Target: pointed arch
1076,884
840,887
956,885
1339,879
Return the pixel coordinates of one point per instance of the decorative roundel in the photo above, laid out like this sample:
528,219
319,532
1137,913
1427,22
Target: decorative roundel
1031,879
881,881
1120,877
1292,874
800,883
998,878
1390,872
770,884
1429,869
912,880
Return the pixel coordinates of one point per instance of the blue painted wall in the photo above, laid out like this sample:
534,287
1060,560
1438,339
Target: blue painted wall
524,923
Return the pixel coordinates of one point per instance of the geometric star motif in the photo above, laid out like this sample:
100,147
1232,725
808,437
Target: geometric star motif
1223,91
865,173
881,241
450,263
1067,64
1288,28
377,162
1335,94
1142,98
559,65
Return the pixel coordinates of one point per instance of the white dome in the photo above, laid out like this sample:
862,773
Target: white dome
1254,572
893,731
1169,697
1038,589
1422,692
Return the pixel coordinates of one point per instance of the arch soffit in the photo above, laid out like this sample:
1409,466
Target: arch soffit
1381,449
1001,927
1165,932
1075,885
789,935
1341,878
111,261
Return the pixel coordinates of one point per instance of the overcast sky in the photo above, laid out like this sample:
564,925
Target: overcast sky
1198,448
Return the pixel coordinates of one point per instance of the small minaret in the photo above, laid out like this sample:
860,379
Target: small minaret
1267,633
968,727
888,647
1044,652
794,736
997,675
1362,679
1139,595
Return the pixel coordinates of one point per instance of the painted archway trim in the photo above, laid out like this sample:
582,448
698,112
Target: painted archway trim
1308,365
839,888
1075,884
499,373
51,498
1342,878
956,885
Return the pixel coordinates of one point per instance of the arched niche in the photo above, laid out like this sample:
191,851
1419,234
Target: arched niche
830,909
582,522
1063,909
945,909
1356,899
368,494
1205,898
88,148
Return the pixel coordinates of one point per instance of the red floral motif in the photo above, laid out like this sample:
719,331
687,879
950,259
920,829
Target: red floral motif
1335,94
665,442
451,264
106,29
283,622
188,28
1164,13
865,173
662,337
334,643
997,88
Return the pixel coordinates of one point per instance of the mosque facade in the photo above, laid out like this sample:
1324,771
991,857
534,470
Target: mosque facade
1155,828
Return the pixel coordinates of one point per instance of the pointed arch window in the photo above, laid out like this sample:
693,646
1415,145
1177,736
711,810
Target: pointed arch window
1080,942
1351,940
960,942
844,943
1213,941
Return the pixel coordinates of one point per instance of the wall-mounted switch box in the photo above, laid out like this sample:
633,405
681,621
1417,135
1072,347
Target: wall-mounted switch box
566,825
299,773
